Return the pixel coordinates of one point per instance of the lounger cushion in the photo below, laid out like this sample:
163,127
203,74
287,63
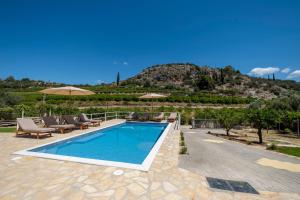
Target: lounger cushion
84,123
39,130
84,118
26,123
64,126
70,120
159,116
172,116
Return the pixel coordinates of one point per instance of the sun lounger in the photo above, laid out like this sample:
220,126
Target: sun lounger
144,117
130,116
133,116
172,117
159,117
28,127
52,123
70,120
84,118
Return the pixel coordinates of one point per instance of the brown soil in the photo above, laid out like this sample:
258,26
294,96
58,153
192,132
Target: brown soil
249,136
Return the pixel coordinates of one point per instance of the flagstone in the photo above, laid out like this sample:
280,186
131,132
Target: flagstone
136,189
102,194
78,195
174,197
81,178
169,187
144,185
155,185
120,193
90,181
157,194
89,189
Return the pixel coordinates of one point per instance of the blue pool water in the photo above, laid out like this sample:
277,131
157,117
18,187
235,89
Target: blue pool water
128,142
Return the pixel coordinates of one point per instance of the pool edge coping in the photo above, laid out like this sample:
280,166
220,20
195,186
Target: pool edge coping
145,166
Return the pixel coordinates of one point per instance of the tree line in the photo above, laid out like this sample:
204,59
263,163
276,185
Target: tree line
282,114
32,98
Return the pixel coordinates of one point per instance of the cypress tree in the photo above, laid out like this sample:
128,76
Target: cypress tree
222,76
273,77
118,79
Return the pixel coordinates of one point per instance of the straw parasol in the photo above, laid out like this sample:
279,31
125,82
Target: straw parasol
152,96
67,90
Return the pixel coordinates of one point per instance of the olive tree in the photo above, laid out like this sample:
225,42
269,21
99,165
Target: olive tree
261,117
295,116
229,118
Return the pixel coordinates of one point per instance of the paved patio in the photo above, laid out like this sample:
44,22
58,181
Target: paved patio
38,178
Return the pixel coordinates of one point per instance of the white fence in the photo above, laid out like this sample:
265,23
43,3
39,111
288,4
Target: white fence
104,116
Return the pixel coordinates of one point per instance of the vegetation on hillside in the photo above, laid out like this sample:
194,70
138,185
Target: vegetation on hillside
34,97
272,103
226,81
178,77
25,84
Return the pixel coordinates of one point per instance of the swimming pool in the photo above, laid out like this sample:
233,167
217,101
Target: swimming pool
128,144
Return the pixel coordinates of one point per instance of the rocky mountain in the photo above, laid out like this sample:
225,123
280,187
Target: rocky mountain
226,80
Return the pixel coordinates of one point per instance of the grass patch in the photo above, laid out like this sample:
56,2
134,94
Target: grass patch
7,129
294,151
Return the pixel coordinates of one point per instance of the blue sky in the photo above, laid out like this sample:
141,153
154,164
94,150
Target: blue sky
89,41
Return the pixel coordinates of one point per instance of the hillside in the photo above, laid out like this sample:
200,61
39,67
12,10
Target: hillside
180,79
227,80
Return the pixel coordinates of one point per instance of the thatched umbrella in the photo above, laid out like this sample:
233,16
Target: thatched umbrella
67,90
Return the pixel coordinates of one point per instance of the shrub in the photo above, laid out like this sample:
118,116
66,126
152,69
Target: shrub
248,142
29,111
287,131
182,143
271,146
181,136
7,113
183,150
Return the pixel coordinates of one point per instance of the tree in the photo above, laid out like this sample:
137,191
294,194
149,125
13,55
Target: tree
147,84
273,77
222,76
205,82
294,102
229,118
271,118
229,69
10,79
257,116
118,79
7,99
295,116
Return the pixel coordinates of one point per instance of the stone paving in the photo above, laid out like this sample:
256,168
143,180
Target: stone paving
28,178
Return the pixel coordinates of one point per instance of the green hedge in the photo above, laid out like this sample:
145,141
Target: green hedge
31,98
